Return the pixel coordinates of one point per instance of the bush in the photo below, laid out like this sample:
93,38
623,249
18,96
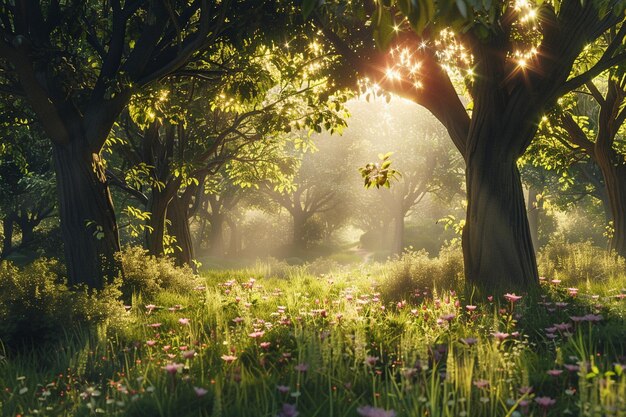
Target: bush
148,274
416,270
36,306
579,262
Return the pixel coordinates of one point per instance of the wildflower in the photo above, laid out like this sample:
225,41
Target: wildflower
448,317
545,402
470,307
572,291
183,321
200,392
188,354
154,325
283,389
572,368
256,334
265,345
512,297
500,336
525,390
150,342
369,411
481,383
173,368
556,281
150,307
288,410
301,367
554,372
229,358
371,360
469,341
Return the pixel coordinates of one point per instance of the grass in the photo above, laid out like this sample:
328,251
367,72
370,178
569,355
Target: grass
249,343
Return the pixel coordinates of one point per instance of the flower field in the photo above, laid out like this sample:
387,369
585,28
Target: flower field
244,343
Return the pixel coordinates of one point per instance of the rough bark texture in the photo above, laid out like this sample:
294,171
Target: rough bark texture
497,246
615,179
88,224
179,228
157,206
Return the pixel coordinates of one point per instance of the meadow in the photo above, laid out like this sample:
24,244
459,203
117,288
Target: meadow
399,338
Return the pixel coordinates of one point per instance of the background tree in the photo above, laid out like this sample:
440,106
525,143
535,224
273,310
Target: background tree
515,59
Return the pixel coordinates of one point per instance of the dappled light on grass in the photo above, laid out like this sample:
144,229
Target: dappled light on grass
336,344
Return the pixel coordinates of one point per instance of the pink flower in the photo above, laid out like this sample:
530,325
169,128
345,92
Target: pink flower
481,383
283,389
555,281
470,308
200,392
256,334
301,367
469,341
371,360
237,320
150,342
150,307
572,368
229,358
545,402
369,411
448,317
183,321
512,297
554,372
154,325
265,345
188,354
500,336
173,368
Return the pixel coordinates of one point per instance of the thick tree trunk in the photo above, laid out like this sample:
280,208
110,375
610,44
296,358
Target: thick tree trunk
497,245
7,241
88,224
533,209
27,227
615,180
177,214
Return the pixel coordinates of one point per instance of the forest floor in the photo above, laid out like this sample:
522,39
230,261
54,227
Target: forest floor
251,343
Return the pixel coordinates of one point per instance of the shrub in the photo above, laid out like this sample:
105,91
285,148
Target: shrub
416,270
36,306
148,274
579,262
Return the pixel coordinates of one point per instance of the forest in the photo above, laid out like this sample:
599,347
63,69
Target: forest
314,208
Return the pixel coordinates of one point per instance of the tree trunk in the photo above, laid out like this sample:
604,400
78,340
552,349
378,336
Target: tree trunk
497,246
615,180
88,224
177,214
216,235
7,229
157,206
533,215
398,233
234,244
299,222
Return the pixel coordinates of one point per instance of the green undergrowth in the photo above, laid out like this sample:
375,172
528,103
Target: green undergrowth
398,338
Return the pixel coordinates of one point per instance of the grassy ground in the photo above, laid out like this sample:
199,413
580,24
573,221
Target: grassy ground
345,343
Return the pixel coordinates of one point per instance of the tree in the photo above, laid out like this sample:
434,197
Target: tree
77,64
515,58
599,135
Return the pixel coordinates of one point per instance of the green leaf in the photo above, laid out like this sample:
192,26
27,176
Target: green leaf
460,4
384,30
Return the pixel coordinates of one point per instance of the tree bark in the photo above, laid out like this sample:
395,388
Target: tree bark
177,214
88,224
7,241
533,215
234,244
397,245
157,206
497,245
615,180
299,223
